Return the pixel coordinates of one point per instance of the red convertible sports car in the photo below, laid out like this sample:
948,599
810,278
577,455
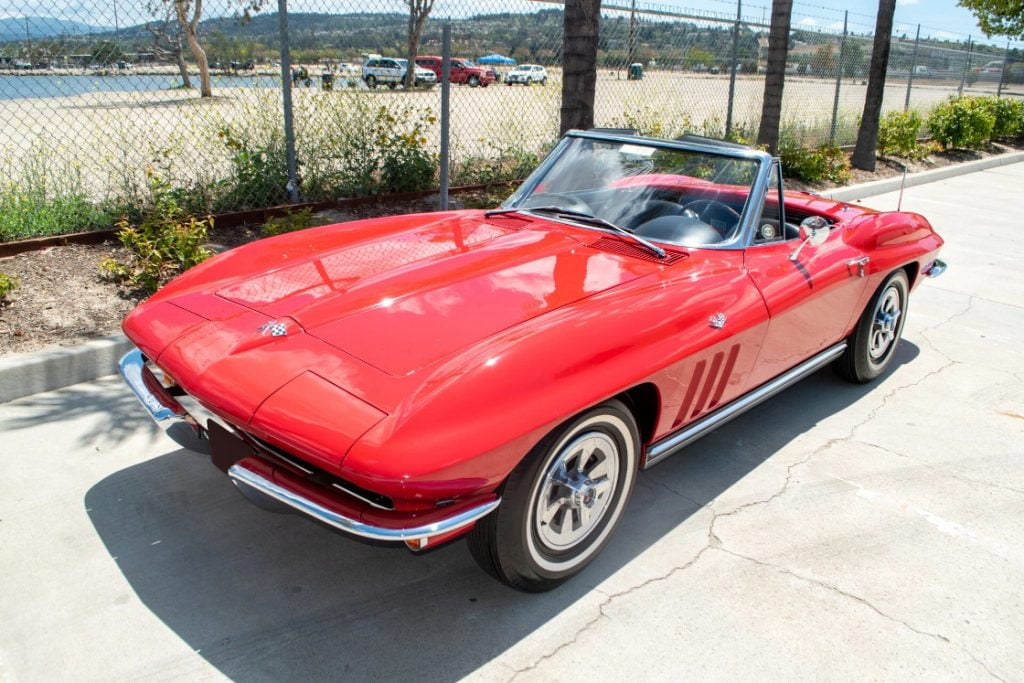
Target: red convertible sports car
505,374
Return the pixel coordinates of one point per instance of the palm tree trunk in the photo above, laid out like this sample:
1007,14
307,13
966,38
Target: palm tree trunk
775,77
579,63
867,136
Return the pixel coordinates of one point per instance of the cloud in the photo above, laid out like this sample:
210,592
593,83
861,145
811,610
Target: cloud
836,26
808,22
907,2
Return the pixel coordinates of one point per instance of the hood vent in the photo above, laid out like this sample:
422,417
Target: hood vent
509,220
636,251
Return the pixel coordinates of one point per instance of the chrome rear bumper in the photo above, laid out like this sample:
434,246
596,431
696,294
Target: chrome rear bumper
245,474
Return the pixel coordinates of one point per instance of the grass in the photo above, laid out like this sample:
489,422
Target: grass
25,214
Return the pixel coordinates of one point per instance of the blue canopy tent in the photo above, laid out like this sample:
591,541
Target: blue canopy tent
500,60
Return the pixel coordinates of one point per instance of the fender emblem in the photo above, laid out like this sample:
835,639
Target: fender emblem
717,321
273,328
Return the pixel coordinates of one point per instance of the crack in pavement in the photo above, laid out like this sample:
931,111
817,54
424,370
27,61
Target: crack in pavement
951,474
866,603
715,542
610,597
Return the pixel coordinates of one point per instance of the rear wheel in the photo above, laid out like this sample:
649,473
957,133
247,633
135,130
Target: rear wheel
871,346
562,502
473,81
371,82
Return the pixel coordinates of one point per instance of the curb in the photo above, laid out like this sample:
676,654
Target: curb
876,187
33,373
25,374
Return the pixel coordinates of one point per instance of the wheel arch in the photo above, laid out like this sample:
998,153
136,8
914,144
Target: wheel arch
644,402
913,269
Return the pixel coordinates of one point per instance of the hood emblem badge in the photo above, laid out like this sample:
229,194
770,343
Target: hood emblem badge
273,329
717,321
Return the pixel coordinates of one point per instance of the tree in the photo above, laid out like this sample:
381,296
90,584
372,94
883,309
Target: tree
419,10
188,14
824,61
167,41
775,77
105,52
867,136
580,27
998,17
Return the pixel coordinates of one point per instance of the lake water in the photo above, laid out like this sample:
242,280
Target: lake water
19,87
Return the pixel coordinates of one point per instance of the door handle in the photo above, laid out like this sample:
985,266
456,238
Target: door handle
859,264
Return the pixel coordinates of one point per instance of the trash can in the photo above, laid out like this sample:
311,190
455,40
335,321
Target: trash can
636,72
327,81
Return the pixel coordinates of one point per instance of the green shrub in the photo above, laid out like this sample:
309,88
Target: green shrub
897,135
165,243
8,283
259,171
1008,116
367,148
290,222
813,165
961,123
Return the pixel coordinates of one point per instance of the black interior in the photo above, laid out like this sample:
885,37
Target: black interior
686,219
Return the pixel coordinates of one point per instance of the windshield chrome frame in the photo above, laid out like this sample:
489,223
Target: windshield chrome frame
751,210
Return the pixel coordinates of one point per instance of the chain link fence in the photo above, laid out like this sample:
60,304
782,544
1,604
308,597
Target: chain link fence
103,112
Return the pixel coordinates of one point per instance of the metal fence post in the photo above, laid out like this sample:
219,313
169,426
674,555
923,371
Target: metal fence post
913,66
839,79
1002,72
967,65
286,102
732,69
446,72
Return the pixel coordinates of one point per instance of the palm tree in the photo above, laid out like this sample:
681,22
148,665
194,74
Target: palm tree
775,77
579,63
867,136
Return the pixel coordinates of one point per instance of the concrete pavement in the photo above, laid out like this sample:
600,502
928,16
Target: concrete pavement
835,532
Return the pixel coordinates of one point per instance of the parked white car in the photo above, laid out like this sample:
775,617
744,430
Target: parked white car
390,71
527,74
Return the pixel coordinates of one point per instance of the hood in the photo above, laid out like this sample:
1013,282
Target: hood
419,288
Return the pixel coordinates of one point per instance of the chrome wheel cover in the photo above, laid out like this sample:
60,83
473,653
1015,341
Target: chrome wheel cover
885,324
576,490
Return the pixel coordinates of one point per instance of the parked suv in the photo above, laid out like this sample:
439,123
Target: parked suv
462,71
390,71
528,74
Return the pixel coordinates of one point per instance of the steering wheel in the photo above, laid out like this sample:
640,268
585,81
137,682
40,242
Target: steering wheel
564,201
631,217
709,206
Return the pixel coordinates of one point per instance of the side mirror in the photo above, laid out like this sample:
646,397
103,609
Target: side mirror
813,230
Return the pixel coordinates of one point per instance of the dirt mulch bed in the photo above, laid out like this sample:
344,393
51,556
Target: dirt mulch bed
62,300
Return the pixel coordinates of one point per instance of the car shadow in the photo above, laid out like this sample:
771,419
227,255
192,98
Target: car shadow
266,596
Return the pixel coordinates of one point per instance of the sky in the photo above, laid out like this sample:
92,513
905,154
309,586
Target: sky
942,19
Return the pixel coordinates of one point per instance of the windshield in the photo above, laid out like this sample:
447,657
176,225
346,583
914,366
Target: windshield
662,194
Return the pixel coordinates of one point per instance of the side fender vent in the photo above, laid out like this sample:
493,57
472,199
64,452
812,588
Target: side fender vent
636,251
713,385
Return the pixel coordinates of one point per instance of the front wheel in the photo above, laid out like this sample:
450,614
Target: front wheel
473,81
562,502
871,347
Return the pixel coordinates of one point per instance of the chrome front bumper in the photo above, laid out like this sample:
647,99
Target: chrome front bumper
937,268
163,407
244,475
